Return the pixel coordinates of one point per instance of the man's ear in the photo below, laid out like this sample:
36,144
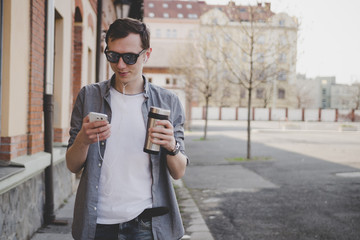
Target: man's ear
147,55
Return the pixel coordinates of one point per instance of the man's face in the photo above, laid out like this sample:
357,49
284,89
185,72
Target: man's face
126,73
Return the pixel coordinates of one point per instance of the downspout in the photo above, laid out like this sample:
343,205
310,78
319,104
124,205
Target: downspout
1,47
98,39
49,216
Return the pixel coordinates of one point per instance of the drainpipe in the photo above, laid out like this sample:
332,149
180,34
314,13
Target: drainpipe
98,39
49,216
1,47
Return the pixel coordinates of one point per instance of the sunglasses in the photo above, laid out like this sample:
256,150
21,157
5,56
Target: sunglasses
128,58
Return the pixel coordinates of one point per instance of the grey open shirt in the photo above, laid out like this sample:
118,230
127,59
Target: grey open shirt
96,98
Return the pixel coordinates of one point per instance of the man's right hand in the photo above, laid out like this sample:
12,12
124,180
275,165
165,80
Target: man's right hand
77,153
91,130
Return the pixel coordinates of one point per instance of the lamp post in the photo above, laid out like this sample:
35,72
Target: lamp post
122,8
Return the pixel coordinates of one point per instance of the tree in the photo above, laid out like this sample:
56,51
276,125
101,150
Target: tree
197,64
259,53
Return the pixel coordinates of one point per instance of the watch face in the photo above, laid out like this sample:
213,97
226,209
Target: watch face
176,150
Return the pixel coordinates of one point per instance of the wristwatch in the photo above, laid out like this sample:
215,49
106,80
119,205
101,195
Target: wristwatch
175,151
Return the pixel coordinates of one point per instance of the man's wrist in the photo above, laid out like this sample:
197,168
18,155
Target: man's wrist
175,151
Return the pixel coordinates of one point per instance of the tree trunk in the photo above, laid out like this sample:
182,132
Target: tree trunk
188,115
206,117
248,156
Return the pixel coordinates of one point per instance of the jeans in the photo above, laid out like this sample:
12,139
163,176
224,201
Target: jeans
136,229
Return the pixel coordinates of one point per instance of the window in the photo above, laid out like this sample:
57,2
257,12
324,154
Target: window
245,39
151,5
244,57
179,5
282,57
260,75
158,32
282,23
283,40
261,39
180,15
259,93
168,33
282,76
174,81
243,10
188,6
281,93
324,91
191,33
150,79
165,5
192,15
151,15
324,103
174,33
166,15
167,81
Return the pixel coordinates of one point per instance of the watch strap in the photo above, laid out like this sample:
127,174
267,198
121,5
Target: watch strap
175,151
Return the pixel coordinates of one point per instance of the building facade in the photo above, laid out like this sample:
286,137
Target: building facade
49,50
176,25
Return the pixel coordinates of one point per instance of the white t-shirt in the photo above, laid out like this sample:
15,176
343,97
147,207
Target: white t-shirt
125,180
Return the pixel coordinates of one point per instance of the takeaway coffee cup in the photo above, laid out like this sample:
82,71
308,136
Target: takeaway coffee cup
154,115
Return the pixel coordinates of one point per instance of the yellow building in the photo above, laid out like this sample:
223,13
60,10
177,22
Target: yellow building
49,50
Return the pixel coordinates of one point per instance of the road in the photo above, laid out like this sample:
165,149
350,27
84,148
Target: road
303,184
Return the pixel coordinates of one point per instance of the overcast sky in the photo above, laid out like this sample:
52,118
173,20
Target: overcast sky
329,36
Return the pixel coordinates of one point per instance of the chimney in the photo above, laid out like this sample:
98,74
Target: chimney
267,6
259,4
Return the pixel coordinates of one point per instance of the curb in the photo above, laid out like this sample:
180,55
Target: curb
194,224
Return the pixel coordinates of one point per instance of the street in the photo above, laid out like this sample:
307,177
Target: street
303,184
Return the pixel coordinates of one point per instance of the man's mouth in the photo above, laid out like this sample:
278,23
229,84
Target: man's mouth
123,74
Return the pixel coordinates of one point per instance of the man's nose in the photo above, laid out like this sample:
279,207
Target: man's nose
121,63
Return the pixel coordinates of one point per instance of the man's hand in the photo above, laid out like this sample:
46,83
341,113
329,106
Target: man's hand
90,131
76,154
163,134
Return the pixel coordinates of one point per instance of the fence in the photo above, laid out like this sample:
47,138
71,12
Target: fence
277,114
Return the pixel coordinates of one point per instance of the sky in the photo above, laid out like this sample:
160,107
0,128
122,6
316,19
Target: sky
329,35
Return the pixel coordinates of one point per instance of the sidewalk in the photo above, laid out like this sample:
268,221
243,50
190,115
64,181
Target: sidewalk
195,226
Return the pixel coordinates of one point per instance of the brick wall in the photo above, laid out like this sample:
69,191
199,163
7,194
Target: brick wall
77,54
61,135
36,78
12,147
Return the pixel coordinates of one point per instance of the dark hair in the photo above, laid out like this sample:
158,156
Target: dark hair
121,28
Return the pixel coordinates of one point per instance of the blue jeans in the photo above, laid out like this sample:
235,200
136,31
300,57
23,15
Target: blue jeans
136,229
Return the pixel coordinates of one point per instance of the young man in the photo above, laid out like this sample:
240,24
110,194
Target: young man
125,193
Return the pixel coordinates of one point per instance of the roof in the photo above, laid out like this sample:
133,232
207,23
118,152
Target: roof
194,9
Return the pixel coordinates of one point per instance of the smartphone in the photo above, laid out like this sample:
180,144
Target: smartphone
94,116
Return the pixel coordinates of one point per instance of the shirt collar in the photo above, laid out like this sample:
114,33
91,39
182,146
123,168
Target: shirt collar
112,83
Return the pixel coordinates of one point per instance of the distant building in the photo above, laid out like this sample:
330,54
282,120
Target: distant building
323,92
326,84
345,96
307,92
174,24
